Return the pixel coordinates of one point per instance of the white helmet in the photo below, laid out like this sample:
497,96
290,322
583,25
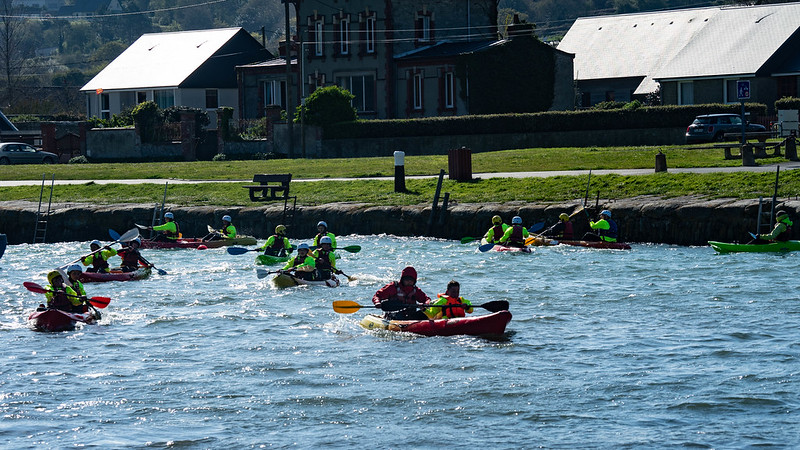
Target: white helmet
322,223
325,240
226,218
95,242
74,267
516,220
169,215
138,241
303,246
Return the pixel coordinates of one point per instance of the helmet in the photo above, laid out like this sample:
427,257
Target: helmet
53,274
325,240
280,229
781,213
303,246
95,242
409,272
606,213
517,220
322,223
226,218
169,215
74,267
563,216
497,220
138,241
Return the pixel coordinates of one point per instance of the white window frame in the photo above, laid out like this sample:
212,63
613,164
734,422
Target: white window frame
105,106
449,90
344,36
418,83
370,34
681,100
318,36
426,28
275,93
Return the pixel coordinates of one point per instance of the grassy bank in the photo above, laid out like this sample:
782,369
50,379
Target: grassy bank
537,159
539,190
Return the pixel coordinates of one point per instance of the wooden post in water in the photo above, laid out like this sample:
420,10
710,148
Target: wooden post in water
435,206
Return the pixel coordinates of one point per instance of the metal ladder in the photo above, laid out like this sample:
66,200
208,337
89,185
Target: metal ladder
289,210
40,229
766,219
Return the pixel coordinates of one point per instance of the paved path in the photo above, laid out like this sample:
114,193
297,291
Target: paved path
788,165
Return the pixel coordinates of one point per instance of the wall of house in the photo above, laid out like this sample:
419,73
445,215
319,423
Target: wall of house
564,86
762,90
196,98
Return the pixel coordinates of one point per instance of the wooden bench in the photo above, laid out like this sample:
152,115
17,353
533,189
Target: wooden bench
759,147
269,187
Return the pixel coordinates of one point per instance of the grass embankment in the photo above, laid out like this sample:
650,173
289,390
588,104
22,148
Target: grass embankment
540,190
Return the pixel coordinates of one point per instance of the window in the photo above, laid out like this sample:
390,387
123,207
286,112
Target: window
344,36
425,29
370,34
423,24
731,95
610,96
105,107
363,89
586,99
141,97
212,99
418,79
273,93
318,38
787,86
686,93
164,98
449,90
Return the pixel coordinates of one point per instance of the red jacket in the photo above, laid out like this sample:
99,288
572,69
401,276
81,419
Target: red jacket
409,295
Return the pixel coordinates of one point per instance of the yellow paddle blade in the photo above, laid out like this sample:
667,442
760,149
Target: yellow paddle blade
346,306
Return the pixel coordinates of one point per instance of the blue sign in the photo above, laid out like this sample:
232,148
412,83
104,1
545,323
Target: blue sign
743,89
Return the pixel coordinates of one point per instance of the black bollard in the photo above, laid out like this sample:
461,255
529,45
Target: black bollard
661,162
399,172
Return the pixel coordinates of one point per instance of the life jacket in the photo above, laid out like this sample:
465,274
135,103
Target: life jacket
278,244
497,233
60,299
99,263
130,257
174,235
611,232
323,260
297,261
456,311
405,297
787,233
568,233
516,236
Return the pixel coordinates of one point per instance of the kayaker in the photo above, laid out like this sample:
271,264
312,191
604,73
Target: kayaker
277,244
131,257
516,234
60,296
450,297
168,231
73,279
781,233
302,264
324,260
562,229
606,228
403,293
322,228
228,231
98,260
497,231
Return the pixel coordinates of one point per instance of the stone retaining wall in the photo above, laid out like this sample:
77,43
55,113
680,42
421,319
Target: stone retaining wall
683,221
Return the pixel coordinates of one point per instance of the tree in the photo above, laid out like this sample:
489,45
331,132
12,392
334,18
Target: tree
12,47
327,106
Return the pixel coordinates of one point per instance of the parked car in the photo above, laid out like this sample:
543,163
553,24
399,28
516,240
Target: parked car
712,127
20,153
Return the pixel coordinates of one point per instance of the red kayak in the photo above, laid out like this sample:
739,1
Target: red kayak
492,324
598,244
115,275
194,243
57,320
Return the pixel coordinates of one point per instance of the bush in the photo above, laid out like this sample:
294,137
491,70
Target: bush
327,106
79,160
147,116
219,157
609,105
788,103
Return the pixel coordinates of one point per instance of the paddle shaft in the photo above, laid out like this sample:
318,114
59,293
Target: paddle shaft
344,306
33,287
128,236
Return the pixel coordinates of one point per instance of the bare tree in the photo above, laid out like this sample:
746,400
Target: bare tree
12,37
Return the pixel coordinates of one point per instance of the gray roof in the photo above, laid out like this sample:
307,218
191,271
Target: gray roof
680,44
161,60
445,49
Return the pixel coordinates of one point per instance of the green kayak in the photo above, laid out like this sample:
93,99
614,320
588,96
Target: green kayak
267,260
724,247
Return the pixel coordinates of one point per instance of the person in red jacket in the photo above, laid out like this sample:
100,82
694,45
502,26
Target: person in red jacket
402,300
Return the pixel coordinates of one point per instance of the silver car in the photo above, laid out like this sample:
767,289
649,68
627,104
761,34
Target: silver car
712,127
20,153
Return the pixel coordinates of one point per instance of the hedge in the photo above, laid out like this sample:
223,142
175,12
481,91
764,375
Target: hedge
592,119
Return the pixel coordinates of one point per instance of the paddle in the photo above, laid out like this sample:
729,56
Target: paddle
99,302
536,227
349,278
349,248
263,273
467,240
115,235
129,235
241,250
348,307
485,247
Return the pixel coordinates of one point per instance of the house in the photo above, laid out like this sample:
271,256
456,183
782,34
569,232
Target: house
187,68
407,59
688,56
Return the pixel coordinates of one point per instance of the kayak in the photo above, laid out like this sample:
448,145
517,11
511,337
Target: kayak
492,324
505,248
598,244
724,247
3,244
115,275
194,243
268,260
57,320
284,280
541,242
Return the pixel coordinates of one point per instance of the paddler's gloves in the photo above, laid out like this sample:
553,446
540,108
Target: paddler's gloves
392,305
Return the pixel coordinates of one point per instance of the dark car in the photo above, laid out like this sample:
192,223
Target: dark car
20,153
712,127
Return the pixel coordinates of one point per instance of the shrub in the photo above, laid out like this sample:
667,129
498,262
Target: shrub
788,103
327,106
147,116
219,157
79,160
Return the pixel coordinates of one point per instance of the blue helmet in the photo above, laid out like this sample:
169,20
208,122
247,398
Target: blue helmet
322,223
606,213
303,246
517,220
226,218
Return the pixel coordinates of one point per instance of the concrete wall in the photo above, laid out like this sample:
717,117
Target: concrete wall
125,144
683,221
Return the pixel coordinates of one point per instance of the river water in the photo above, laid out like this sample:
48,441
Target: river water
659,346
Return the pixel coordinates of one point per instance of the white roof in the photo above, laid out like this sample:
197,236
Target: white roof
686,43
160,60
